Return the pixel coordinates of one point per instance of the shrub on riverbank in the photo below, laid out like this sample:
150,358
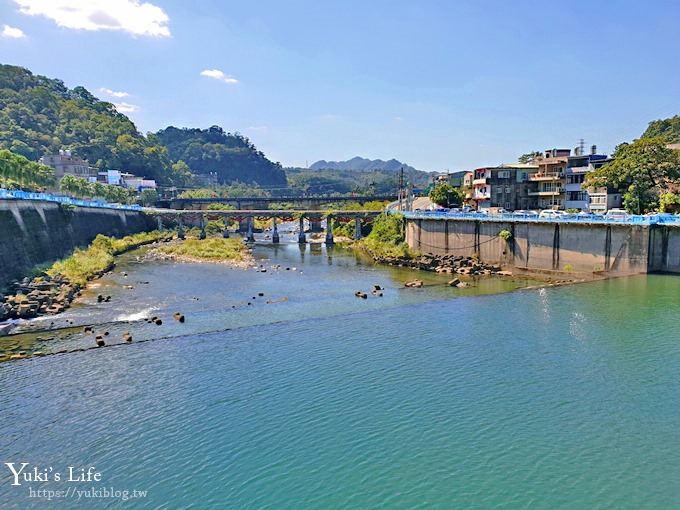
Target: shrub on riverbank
387,238
85,264
212,250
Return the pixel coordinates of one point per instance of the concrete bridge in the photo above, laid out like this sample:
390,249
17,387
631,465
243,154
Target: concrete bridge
305,202
246,220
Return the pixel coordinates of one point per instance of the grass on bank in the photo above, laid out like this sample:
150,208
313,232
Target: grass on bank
212,249
387,238
87,263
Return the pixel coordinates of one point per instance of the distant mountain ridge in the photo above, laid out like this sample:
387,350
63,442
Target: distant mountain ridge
362,164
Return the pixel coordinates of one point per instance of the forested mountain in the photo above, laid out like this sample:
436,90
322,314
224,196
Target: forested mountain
362,164
231,156
39,115
304,180
668,129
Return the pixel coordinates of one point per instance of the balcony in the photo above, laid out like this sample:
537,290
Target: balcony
546,176
478,195
576,186
553,193
579,169
480,181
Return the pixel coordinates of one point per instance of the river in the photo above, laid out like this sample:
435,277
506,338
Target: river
308,397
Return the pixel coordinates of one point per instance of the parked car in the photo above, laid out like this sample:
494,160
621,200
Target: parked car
524,212
552,213
617,214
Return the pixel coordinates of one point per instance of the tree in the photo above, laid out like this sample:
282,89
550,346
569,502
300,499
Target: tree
16,170
445,195
668,129
529,157
642,170
148,197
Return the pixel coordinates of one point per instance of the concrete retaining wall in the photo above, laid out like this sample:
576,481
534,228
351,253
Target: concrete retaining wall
582,248
33,233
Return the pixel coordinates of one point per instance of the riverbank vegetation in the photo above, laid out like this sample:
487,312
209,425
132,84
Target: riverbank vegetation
86,264
216,249
18,172
386,238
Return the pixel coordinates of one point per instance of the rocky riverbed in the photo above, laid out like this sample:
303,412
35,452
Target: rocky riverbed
40,296
447,264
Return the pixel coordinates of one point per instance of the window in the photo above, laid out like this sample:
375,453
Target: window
504,174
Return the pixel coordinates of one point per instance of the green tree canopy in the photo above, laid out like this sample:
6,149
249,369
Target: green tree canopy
446,195
18,171
642,170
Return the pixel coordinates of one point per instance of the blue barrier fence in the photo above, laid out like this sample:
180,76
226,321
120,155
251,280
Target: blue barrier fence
48,197
632,219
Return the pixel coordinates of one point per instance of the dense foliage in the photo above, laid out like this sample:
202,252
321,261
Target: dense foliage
39,115
17,171
387,237
229,157
81,188
667,129
643,170
446,195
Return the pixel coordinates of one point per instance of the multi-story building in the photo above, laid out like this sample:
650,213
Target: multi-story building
506,186
549,191
578,166
65,163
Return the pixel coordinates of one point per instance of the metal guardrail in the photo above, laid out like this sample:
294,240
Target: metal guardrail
633,219
48,197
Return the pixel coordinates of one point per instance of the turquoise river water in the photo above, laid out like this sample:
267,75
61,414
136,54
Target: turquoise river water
308,397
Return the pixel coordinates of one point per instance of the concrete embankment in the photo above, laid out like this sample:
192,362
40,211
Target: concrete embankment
613,249
34,233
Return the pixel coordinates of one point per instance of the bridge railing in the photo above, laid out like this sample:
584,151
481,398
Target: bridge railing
61,199
633,219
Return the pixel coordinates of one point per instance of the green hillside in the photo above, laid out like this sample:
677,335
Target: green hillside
232,157
668,129
39,115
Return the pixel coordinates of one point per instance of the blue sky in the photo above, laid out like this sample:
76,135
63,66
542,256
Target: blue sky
440,85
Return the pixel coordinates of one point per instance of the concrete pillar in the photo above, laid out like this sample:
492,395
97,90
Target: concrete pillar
329,230
180,228
159,220
202,235
251,237
357,228
275,232
302,239
315,225
225,233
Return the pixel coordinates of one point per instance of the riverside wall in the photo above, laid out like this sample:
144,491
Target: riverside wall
614,249
34,233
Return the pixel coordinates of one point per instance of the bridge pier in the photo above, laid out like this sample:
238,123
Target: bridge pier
315,225
225,233
302,239
275,232
251,237
329,230
159,221
357,228
203,234
180,228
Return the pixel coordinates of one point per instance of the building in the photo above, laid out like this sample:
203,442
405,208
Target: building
65,163
137,183
549,192
578,166
508,186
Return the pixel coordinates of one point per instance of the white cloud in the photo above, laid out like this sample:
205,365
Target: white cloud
126,107
113,93
130,16
12,32
219,75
